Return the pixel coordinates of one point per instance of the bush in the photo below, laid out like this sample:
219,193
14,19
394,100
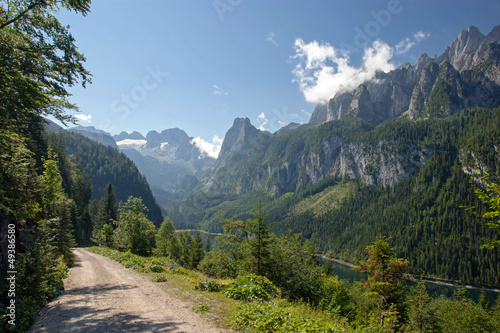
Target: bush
217,264
208,285
159,278
462,315
154,268
335,296
251,287
270,318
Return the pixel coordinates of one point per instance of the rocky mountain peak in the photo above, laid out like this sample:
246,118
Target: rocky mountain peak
130,136
467,74
238,139
460,54
172,136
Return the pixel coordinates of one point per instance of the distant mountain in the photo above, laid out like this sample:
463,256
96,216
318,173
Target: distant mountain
95,134
467,74
106,164
166,158
391,157
128,136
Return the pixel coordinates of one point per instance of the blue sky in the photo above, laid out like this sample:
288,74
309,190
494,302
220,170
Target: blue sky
197,65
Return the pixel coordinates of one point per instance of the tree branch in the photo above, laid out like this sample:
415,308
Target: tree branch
30,7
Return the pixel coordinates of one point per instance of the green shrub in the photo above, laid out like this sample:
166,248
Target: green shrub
335,296
217,264
179,271
270,318
159,278
461,314
201,308
208,285
251,287
154,268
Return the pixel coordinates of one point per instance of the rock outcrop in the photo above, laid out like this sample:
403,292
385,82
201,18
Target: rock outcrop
467,74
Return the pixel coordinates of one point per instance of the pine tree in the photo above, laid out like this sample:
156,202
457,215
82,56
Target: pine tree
259,241
385,274
105,218
421,315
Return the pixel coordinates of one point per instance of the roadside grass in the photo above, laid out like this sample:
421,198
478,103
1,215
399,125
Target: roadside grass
180,283
210,298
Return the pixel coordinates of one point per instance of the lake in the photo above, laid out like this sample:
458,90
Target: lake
345,272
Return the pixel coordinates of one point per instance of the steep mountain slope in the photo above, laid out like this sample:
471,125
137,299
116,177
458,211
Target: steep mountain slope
95,134
106,164
467,74
390,157
164,158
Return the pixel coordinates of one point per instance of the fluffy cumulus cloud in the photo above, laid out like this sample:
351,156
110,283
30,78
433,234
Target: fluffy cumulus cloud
83,117
323,71
210,149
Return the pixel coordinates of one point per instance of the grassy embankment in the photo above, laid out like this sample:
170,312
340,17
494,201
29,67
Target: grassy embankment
265,312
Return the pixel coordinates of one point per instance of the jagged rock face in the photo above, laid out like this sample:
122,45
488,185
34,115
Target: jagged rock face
173,137
384,166
164,158
238,139
130,136
467,74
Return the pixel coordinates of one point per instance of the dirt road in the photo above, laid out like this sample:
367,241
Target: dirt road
102,296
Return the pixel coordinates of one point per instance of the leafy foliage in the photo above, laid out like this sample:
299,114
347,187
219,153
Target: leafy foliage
134,232
217,263
489,194
208,285
38,60
251,288
385,273
268,318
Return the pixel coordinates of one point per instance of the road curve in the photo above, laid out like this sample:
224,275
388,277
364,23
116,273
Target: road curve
102,296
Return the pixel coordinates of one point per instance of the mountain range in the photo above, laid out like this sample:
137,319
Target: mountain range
417,130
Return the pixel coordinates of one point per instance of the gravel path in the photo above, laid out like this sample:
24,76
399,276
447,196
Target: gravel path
102,296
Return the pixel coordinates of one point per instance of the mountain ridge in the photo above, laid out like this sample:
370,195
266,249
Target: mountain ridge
465,75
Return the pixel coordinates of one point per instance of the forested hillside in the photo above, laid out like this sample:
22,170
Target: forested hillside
104,164
422,213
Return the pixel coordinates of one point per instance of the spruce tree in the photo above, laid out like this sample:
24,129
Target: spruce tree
104,222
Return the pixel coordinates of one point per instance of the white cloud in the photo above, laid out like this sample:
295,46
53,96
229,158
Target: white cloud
210,149
271,38
218,91
404,46
420,35
263,121
83,117
324,71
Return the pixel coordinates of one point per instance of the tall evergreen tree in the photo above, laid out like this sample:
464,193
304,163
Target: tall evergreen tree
105,218
385,274
259,241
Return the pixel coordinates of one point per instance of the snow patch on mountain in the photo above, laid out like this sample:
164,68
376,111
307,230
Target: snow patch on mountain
131,143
